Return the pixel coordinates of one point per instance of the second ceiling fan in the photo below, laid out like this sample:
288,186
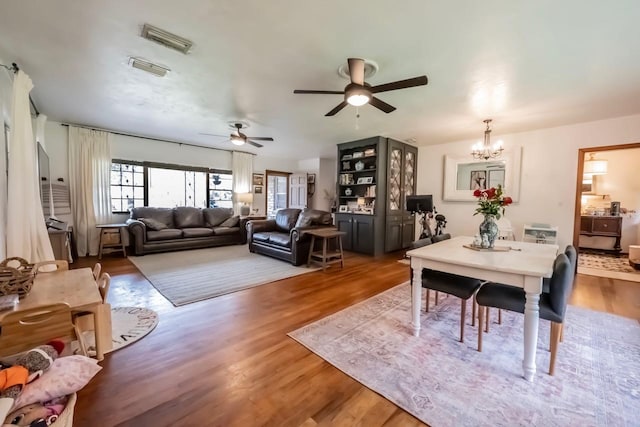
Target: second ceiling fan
359,92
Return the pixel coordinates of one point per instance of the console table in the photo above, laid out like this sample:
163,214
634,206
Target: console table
603,226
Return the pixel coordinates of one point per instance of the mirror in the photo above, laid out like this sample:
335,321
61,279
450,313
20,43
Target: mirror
463,175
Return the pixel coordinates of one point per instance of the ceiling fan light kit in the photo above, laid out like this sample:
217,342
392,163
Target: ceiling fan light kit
483,150
358,92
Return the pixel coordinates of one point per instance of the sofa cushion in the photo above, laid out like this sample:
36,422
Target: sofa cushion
164,215
153,224
218,231
280,239
188,217
197,232
310,217
286,219
213,217
231,222
261,237
166,234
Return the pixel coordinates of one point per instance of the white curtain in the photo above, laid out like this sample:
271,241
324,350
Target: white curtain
242,164
89,185
27,235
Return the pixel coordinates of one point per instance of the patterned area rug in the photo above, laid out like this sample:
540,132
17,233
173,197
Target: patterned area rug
184,277
605,262
447,383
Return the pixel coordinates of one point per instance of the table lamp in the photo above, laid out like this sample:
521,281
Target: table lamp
246,199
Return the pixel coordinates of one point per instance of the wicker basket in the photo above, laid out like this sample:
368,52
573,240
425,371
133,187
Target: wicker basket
16,280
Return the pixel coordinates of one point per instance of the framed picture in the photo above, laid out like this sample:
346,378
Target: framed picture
311,178
258,179
343,208
478,180
365,180
496,177
257,189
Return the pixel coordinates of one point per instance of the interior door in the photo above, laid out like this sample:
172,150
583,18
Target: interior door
298,190
277,192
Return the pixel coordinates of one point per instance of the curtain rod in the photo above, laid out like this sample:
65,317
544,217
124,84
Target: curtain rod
14,69
151,138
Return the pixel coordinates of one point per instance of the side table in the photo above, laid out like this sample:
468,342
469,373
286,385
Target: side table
326,257
111,239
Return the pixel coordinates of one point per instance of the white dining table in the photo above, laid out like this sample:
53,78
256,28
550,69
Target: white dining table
523,266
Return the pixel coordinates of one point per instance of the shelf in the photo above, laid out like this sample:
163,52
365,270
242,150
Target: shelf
351,185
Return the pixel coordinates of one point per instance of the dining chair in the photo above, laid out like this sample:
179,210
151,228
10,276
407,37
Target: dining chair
103,286
553,304
418,244
436,239
60,264
85,319
22,330
96,270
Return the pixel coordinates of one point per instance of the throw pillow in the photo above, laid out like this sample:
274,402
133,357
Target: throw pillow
66,376
231,222
153,224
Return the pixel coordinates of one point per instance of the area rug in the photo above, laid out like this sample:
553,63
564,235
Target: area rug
447,383
615,267
188,276
128,325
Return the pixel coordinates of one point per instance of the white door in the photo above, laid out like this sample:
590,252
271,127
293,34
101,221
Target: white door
298,190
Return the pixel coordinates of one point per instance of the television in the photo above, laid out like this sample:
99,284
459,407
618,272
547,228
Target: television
44,179
422,203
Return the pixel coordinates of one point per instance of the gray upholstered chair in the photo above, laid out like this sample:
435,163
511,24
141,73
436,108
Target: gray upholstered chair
553,304
452,284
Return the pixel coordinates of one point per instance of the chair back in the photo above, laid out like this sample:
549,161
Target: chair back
103,286
560,285
421,242
96,271
22,330
572,254
440,237
51,266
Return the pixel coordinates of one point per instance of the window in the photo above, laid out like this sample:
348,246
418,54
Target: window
127,186
220,190
277,192
136,184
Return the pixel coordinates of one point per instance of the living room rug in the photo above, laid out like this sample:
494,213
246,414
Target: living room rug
128,325
184,277
447,383
615,267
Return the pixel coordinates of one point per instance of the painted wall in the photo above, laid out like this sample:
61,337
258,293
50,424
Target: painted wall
548,173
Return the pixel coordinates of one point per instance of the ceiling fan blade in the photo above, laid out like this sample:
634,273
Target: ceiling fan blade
260,138
356,70
322,92
338,108
213,134
255,144
401,84
381,105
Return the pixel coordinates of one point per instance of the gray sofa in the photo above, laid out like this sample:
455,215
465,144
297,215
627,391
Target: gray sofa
169,229
284,237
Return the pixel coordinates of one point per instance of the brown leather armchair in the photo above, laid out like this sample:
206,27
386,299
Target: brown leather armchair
284,237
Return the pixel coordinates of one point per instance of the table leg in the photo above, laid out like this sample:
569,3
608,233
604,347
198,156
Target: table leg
313,242
324,253
102,323
532,287
416,298
101,243
341,253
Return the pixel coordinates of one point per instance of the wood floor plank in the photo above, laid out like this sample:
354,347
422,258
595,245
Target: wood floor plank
228,361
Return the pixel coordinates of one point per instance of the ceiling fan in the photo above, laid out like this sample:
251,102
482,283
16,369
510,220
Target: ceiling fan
239,138
359,92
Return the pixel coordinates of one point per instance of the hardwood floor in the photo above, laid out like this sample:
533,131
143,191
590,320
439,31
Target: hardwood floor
227,361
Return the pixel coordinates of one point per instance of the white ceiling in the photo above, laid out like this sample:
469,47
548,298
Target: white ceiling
527,65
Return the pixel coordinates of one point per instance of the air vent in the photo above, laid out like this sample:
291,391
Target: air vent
166,38
149,67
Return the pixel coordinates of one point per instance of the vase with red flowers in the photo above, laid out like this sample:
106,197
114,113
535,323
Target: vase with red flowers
491,204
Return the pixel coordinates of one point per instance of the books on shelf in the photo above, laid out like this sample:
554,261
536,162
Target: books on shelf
8,302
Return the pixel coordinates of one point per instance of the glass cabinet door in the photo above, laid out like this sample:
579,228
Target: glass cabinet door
395,179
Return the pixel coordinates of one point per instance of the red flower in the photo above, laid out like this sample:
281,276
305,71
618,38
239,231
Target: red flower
491,201
477,193
507,201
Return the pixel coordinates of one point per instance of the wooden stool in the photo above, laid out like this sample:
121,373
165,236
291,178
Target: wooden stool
325,257
111,239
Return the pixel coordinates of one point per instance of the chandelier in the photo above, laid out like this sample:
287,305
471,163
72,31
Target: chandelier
484,150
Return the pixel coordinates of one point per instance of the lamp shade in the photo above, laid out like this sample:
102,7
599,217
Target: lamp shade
595,166
244,197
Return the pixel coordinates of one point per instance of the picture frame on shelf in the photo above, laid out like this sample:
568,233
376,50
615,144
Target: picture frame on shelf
257,189
258,179
347,157
346,166
358,154
343,209
365,180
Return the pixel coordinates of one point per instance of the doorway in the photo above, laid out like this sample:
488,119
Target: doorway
277,192
607,212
